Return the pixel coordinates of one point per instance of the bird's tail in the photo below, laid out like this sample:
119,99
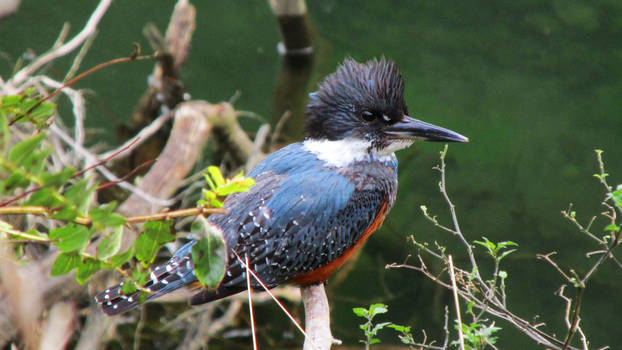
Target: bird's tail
176,273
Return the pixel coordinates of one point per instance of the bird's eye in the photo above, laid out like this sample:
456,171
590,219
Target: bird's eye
368,116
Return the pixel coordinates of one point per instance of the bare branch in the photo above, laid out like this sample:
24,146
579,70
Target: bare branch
454,288
85,33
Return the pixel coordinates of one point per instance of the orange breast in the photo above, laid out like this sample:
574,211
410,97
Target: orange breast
321,274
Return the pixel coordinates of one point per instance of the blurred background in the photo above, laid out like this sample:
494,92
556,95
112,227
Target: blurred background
536,86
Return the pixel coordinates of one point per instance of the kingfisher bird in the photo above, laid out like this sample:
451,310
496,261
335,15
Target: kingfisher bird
315,202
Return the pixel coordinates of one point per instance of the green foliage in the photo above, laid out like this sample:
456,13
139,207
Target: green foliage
26,107
104,216
477,336
65,263
70,238
110,244
496,250
149,242
208,254
370,330
617,196
117,260
87,267
221,187
69,199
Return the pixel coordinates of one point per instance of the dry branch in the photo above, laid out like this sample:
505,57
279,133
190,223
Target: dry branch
317,318
88,30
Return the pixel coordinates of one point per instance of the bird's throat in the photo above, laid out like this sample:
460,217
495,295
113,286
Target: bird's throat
341,153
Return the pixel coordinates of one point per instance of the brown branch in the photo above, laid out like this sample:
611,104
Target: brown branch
43,211
317,318
126,176
188,137
132,57
176,214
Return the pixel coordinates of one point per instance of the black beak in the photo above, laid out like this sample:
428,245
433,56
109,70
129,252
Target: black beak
411,128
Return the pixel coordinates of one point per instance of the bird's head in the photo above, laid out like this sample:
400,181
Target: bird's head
364,102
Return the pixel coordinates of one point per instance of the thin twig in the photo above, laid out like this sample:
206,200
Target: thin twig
125,149
454,288
276,300
139,328
454,217
84,34
78,173
250,302
91,158
132,57
43,211
126,176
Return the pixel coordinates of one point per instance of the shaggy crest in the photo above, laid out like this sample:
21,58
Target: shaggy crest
341,97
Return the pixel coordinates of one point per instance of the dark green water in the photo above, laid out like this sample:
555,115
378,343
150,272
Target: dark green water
535,85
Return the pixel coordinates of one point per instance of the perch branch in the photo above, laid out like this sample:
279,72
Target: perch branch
317,318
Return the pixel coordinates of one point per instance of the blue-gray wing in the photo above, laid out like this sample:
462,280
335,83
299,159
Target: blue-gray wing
292,221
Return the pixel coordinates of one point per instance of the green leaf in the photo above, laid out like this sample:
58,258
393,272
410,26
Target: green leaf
235,187
80,195
360,312
376,309
490,246
86,269
110,244
379,326
211,199
35,162
149,242
67,212
42,113
140,276
5,136
121,258
59,178
216,175
612,227
70,238
22,150
208,254
209,181
45,197
506,253
128,287
617,196
65,262
104,216
401,329
17,179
